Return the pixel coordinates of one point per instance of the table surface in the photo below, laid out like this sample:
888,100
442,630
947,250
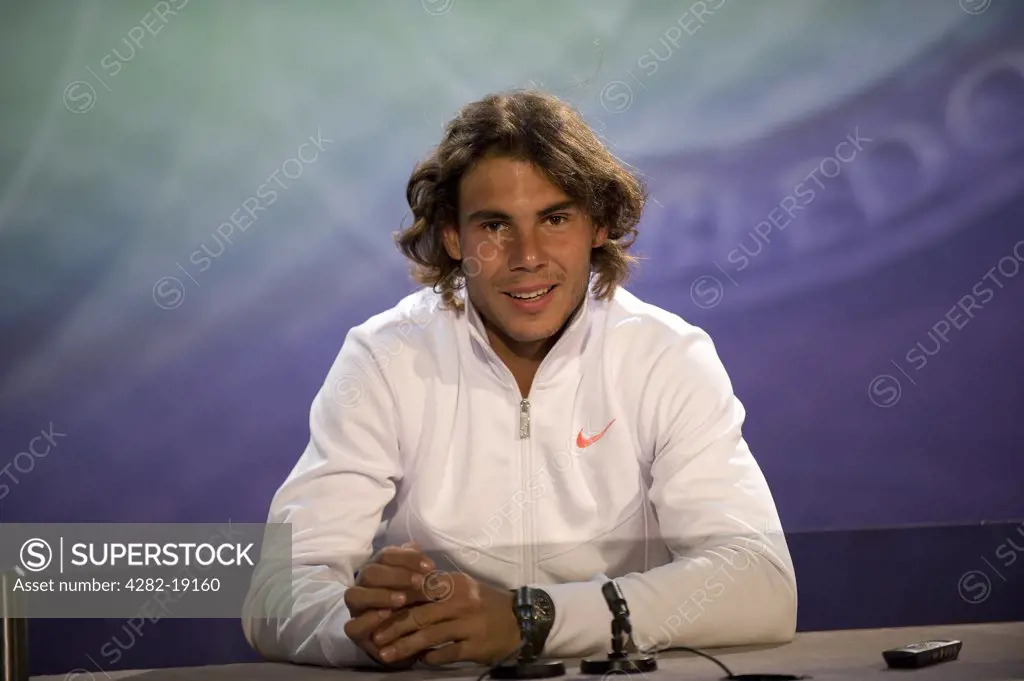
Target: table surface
991,652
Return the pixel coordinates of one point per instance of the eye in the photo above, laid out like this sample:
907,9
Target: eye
492,226
558,220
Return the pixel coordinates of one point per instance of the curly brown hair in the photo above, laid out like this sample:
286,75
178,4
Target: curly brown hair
545,131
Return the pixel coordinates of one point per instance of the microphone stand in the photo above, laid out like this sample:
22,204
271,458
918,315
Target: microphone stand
618,661
527,666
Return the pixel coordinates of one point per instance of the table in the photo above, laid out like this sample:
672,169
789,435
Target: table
991,652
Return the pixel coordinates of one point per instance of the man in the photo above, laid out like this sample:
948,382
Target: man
521,420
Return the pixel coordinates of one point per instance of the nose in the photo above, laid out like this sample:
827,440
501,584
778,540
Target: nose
526,252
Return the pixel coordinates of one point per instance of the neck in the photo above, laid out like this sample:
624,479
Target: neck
523,358
511,350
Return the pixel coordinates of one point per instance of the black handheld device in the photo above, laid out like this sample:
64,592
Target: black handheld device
923,654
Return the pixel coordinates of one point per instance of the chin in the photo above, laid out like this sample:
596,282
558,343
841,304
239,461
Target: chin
530,335
532,331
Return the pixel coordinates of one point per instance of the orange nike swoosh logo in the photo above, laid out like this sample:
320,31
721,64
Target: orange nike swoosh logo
583,442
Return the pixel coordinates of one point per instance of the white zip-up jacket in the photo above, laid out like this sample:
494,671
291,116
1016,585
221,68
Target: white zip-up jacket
625,461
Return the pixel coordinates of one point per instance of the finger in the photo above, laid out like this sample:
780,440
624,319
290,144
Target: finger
381,576
360,599
411,559
428,637
391,592
359,628
408,621
448,654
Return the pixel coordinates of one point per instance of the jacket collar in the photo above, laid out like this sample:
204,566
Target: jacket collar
564,356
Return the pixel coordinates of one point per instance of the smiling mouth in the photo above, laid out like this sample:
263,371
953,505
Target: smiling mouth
534,295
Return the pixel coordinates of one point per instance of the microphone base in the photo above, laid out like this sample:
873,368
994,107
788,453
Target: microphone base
537,669
619,665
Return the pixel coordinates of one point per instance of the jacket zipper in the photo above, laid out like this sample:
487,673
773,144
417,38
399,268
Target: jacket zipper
524,438
524,419
524,468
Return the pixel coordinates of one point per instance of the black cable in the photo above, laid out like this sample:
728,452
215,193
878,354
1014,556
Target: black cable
728,672
730,676
502,661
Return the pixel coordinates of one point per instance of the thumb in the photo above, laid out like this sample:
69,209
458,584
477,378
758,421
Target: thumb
411,545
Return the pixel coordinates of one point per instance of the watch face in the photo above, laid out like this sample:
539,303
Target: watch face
542,608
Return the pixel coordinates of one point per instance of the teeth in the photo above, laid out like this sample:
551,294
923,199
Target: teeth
530,296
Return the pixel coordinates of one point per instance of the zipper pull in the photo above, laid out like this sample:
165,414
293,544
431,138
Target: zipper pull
524,419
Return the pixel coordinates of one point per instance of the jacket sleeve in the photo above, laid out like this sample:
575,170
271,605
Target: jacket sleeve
731,579
334,500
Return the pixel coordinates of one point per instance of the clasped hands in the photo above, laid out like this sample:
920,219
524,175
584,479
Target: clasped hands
403,610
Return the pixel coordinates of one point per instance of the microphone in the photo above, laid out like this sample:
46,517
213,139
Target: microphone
524,615
526,665
618,661
615,600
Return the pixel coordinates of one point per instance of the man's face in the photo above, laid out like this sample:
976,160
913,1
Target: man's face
525,248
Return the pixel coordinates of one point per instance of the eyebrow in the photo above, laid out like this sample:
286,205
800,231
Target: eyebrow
488,214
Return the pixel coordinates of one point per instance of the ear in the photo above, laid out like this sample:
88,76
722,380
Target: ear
450,235
600,236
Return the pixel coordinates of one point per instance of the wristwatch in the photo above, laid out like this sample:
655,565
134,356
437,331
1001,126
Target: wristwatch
541,621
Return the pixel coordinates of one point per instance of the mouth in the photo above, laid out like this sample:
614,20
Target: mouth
531,296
